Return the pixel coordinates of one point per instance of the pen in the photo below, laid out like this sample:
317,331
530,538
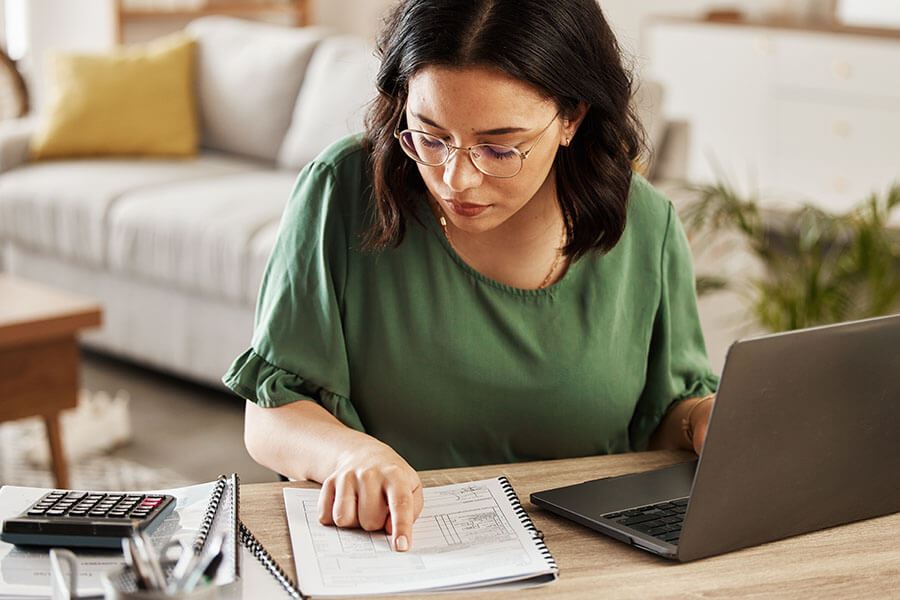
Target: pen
209,556
209,574
131,559
147,555
154,559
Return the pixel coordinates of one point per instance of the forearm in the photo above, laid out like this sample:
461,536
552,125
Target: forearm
670,435
301,440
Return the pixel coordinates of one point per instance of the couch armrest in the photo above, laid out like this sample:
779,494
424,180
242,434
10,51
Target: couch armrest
672,155
15,139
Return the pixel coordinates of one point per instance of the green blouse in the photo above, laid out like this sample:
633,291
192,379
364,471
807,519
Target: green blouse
451,368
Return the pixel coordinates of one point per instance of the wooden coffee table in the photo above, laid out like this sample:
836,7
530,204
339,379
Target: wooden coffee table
39,356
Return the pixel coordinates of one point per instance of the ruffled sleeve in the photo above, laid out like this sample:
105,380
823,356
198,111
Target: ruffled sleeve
298,351
254,378
678,366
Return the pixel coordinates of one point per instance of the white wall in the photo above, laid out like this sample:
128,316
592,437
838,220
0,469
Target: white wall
3,23
85,25
90,25
363,17
627,16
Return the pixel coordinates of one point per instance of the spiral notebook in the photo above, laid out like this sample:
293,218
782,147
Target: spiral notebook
219,519
201,512
469,535
261,577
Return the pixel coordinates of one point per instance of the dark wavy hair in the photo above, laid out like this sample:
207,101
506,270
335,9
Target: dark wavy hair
566,50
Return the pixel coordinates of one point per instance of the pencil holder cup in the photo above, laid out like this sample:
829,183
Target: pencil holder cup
121,585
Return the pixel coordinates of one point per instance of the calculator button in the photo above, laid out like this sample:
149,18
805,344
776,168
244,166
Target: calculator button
34,512
76,495
55,512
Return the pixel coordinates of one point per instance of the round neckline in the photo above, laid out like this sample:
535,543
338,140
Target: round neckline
435,227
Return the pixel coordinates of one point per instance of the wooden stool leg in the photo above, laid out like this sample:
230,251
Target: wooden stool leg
54,437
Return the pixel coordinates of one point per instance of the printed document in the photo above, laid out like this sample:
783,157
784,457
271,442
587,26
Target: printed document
469,535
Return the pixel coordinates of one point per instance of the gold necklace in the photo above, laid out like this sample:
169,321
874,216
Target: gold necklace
544,283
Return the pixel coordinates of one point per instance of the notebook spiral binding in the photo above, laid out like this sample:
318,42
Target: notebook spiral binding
234,519
536,533
210,515
262,555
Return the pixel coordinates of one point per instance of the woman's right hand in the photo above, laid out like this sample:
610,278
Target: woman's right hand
374,488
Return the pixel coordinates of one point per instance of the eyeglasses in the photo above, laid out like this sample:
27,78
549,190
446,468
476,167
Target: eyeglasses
495,160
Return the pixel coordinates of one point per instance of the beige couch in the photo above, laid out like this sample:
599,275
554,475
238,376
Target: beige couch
175,249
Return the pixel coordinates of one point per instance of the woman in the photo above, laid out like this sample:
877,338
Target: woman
480,278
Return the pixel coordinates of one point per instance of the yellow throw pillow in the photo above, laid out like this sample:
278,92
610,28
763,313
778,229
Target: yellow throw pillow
138,100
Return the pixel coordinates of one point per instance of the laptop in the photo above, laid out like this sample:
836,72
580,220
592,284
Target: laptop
804,435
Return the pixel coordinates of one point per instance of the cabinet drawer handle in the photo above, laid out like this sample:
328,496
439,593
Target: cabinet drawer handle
841,128
842,69
763,45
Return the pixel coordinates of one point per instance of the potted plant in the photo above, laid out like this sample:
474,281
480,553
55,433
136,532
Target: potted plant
817,267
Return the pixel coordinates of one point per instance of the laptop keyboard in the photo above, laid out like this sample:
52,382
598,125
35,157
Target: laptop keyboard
662,520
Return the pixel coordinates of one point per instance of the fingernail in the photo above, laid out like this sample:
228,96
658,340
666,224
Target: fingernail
401,543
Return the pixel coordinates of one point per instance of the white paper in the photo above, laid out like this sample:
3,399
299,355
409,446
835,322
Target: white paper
468,535
255,582
26,573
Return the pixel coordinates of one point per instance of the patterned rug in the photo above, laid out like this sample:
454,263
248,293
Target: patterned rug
23,454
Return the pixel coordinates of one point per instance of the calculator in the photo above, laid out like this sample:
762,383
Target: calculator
86,519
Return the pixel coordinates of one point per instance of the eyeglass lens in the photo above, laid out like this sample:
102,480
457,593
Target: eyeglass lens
490,159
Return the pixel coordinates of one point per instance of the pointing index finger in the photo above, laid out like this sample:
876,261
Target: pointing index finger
403,513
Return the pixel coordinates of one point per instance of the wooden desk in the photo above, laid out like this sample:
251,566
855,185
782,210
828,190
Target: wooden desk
39,356
860,560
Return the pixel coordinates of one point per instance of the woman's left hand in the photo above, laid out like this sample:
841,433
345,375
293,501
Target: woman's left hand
700,422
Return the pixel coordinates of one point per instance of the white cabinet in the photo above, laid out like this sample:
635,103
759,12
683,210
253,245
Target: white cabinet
834,154
796,114
717,83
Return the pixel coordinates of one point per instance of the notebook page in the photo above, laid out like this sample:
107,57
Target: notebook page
467,534
255,582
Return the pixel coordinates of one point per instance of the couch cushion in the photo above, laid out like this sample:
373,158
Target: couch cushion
248,76
61,207
339,83
196,236
136,100
260,248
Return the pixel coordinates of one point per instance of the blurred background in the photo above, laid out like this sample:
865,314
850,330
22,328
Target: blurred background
773,125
